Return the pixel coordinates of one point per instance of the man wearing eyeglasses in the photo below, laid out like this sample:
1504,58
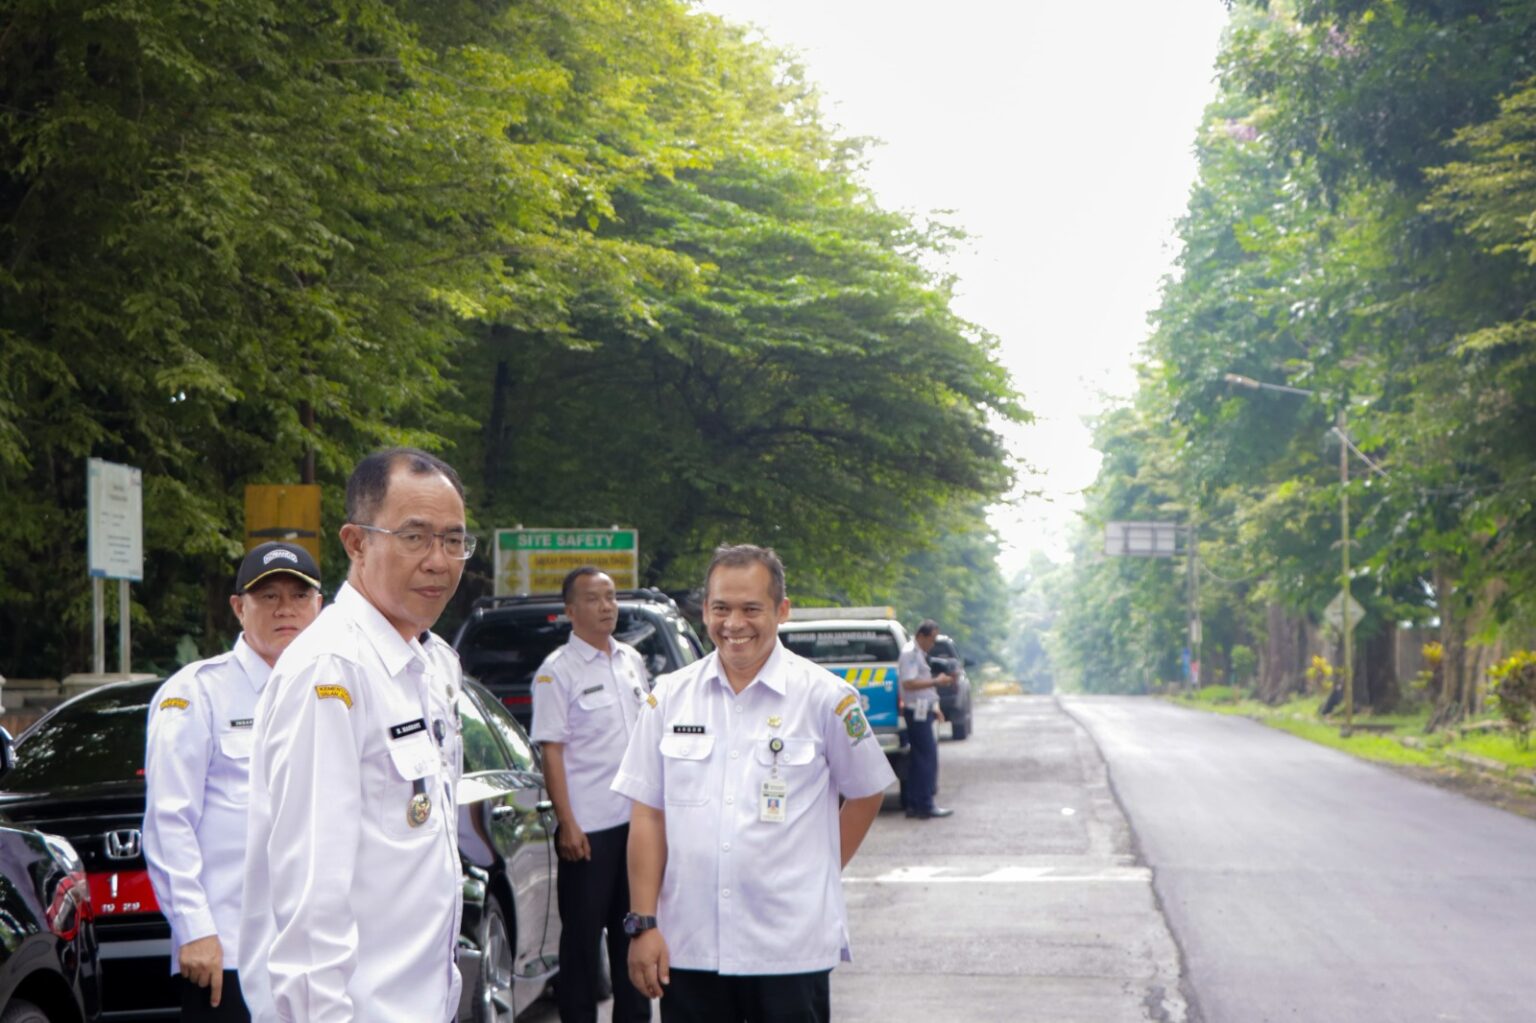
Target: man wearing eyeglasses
197,773
352,891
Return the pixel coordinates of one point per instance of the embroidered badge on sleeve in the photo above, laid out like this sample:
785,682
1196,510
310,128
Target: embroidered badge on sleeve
855,725
334,693
174,703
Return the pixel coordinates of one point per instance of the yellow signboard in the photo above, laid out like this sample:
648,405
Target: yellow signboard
283,511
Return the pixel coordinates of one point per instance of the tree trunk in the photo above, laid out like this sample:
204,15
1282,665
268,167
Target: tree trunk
1450,701
1379,670
1281,672
495,432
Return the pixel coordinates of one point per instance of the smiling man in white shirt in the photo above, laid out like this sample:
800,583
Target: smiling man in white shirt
353,886
197,778
586,696
737,841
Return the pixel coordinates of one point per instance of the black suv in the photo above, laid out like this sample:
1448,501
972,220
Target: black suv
954,700
505,639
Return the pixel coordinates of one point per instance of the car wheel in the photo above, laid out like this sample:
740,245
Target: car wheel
960,727
23,1012
493,991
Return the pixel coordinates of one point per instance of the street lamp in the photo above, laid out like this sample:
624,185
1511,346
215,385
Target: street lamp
1346,620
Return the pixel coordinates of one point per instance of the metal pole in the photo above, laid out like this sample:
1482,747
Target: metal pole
1348,666
1192,562
98,628
123,658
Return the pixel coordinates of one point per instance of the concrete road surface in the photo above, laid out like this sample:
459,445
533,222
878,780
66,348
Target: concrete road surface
1027,906
1304,885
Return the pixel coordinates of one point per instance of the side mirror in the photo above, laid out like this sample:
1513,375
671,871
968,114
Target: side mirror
7,752
970,662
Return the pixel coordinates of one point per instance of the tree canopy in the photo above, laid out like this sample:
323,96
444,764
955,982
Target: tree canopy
603,254
1361,229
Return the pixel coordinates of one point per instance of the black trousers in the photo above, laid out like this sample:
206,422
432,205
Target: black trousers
595,894
698,996
195,1007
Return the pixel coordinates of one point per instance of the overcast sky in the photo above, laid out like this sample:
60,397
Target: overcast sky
1060,135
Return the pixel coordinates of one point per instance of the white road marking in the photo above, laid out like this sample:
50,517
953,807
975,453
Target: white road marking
1006,875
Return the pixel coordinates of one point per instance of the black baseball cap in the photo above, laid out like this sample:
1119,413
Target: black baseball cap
270,558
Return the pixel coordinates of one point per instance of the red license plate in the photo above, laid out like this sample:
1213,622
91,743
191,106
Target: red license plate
121,892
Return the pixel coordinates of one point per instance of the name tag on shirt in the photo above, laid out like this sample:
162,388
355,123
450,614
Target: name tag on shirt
688,729
242,722
592,689
772,803
405,728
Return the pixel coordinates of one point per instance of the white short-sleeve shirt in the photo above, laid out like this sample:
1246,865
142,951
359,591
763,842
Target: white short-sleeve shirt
587,700
197,770
741,895
913,663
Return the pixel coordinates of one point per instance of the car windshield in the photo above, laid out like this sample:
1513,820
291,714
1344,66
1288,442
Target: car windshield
506,649
843,645
97,739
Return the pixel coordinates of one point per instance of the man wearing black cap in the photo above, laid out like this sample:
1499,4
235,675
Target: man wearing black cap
197,770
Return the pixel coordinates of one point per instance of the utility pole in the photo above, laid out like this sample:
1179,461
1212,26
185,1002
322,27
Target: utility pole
1192,566
1348,667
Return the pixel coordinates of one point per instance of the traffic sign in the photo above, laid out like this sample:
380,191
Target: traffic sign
538,560
1333,617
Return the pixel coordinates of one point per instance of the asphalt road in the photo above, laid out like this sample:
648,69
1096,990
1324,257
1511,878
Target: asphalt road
1027,906
1304,885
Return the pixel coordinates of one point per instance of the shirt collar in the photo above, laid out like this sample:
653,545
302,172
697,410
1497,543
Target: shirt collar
256,669
772,674
587,650
392,649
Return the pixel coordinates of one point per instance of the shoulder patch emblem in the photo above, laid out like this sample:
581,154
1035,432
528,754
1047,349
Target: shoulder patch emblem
844,704
855,725
174,703
334,693
545,678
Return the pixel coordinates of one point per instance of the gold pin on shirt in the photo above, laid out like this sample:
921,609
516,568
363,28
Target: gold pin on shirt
775,721
419,809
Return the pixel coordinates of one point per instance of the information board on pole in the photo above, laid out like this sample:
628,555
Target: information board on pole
114,501
1145,539
532,561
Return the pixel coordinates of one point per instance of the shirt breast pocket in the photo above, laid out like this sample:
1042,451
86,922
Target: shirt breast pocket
407,774
686,768
597,701
797,761
235,743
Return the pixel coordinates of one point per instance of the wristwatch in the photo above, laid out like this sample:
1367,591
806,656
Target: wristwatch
635,924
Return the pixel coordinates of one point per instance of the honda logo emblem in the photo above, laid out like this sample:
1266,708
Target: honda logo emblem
124,845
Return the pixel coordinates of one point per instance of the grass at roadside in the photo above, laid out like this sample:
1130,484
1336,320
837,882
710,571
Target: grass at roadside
1380,738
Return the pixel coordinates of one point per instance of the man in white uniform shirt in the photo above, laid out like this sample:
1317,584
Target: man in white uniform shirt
736,842
197,778
920,695
353,885
586,697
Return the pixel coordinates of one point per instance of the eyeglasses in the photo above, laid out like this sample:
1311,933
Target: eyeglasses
458,546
